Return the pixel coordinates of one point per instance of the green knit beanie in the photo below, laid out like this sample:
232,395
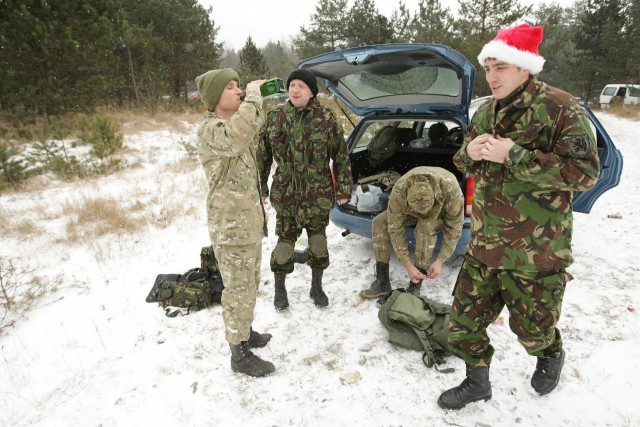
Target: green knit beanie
212,83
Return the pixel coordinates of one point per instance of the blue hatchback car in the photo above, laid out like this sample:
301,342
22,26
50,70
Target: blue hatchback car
414,103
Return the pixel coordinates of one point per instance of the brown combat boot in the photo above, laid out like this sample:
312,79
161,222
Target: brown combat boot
245,362
381,285
257,339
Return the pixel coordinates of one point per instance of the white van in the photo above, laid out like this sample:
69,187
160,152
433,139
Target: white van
629,94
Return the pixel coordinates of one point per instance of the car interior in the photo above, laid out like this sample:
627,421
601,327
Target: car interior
418,143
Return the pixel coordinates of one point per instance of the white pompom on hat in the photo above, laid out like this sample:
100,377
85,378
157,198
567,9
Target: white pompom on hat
517,46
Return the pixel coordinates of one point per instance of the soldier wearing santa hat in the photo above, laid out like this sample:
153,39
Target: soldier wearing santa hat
530,147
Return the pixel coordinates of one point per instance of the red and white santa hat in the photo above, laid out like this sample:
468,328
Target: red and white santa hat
517,46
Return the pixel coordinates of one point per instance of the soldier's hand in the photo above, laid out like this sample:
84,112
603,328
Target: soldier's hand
415,275
474,149
434,269
496,149
342,201
254,86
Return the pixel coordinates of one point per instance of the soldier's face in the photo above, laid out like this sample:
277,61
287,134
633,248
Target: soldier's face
299,93
230,98
503,78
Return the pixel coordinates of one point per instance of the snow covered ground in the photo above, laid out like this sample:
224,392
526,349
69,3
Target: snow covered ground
93,353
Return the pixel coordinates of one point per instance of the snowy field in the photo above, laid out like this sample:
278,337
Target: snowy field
93,353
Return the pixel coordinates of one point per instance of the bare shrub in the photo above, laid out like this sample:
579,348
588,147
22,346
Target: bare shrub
27,227
20,289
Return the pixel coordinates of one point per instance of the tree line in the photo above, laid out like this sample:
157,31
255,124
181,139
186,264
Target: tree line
75,55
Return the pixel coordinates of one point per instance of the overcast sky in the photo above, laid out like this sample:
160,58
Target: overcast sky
280,20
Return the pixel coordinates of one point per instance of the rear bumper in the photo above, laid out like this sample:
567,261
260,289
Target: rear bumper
360,224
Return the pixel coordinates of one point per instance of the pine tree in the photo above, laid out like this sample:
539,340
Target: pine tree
252,63
478,23
557,45
433,23
402,25
600,55
366,25
326,32
280,61
633,42
58,55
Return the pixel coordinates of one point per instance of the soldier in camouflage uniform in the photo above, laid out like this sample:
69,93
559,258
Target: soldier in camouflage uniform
303,137
227,146
429,199
530,147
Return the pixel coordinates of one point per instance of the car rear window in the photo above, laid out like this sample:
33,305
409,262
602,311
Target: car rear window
422,80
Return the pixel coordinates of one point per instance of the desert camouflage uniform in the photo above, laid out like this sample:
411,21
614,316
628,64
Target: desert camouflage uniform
237,222
522,221
446,215
302,142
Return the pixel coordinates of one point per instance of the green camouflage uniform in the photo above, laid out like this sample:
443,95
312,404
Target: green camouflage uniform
446,215
522,221
236,216
302,142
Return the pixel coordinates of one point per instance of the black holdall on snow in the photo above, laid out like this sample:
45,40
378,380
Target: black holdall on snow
417,323
194,290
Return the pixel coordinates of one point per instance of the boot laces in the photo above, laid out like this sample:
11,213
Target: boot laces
547,365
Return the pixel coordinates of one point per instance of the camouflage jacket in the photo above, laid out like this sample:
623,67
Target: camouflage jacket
522,209
302,142
448,208
227,151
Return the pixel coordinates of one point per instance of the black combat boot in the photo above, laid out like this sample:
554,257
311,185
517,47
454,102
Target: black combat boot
547,373
475,387
414,288
319,297
244,361
280,300
381,285
256,339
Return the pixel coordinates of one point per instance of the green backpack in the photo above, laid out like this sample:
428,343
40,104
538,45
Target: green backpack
417,323
194,290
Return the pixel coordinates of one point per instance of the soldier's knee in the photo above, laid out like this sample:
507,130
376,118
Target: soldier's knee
318,245
283,252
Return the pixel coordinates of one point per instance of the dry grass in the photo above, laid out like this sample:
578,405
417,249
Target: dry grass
94,217
134,122
28,227
631,112
12,225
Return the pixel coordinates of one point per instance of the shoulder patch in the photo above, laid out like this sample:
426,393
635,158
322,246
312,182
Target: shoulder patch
578,146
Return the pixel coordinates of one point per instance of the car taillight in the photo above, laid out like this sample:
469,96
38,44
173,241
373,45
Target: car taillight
468,193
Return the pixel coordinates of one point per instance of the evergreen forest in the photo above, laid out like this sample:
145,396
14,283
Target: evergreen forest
59,56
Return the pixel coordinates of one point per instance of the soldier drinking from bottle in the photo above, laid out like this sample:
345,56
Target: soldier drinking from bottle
227,149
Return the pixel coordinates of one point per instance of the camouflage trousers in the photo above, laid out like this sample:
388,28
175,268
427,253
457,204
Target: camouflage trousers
426,235
288,229
534,301
240,270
